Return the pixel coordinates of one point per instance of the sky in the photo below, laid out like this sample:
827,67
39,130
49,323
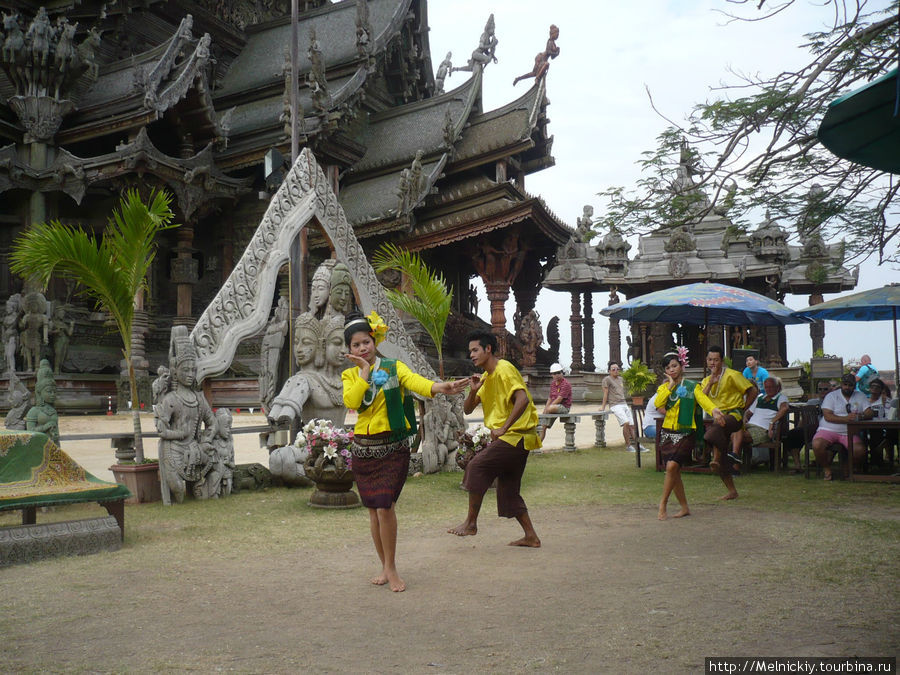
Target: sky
611,54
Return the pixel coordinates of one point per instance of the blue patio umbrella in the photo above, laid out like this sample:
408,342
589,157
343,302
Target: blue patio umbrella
876,304
702,304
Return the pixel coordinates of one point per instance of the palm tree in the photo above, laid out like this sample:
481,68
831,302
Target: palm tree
111,268
429,302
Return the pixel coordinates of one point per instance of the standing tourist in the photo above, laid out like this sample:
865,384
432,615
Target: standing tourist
731,393
682,399
755,372
378,388
510,414
865,374
614,397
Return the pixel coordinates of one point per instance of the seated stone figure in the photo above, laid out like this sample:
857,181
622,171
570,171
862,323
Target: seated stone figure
315,390
19,404
219,479
185,450
43,416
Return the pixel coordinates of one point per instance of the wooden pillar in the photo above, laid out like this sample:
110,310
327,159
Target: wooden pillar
184,275
498,294
615,335
589,332
817,328
575,321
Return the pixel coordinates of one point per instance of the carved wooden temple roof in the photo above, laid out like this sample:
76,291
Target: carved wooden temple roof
190,96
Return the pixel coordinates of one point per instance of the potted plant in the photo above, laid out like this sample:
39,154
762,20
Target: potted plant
110,268
638,378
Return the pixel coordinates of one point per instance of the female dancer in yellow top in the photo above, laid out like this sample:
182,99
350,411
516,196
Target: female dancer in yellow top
379,389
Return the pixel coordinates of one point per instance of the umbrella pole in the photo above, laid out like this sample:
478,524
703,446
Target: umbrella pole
896,358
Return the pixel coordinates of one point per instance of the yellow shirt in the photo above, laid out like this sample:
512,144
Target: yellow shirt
671,419
374,419
496,395
728,394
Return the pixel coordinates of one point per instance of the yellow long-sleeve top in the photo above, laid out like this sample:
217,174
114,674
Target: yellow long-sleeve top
728,392
374,419
671,419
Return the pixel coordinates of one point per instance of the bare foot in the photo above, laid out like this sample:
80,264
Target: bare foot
662,514
532,542
397,584
730,495
685,512
464,529
714,465
380,580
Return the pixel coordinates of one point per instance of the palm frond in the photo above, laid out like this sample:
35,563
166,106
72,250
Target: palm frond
430,300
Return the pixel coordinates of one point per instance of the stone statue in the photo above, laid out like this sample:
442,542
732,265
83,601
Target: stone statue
42,416
11,332
444,71
161,384
316,76
287,463
14,44
185,452
320,288
487,46
584,229
34,326
38,37
315,391
531,337
219,479
542,60
61,332
19,403
438,435
270,351
403,193
86,53
340,296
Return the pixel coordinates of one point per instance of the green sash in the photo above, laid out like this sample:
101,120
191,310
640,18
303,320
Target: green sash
688,410
400,404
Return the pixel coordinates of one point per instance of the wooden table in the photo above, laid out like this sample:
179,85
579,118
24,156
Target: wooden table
871,425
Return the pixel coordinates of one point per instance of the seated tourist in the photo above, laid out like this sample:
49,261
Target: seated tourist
882,406
761,417
560,399
839,407
651,414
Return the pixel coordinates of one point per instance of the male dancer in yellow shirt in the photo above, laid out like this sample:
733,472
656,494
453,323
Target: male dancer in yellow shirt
510,414
731,393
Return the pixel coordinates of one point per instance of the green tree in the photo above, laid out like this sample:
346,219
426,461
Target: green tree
754,146
111,269
429,302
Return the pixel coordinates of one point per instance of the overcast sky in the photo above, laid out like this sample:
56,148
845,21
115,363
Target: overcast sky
601,118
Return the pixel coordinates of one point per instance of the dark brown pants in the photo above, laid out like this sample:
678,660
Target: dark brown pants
506,463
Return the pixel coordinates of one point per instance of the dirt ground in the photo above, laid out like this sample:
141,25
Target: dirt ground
612,590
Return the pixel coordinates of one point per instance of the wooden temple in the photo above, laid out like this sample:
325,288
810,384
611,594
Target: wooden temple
191,96
709,248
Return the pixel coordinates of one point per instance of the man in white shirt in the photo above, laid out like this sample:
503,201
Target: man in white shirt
839,407
760,418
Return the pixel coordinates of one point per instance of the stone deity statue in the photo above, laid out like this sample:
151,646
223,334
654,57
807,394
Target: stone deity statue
270,351
61,332
185,450
487,46
11,331
320,288
219,479
42,416
19,404
315,391
340,297
584,229
438,435
34,326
